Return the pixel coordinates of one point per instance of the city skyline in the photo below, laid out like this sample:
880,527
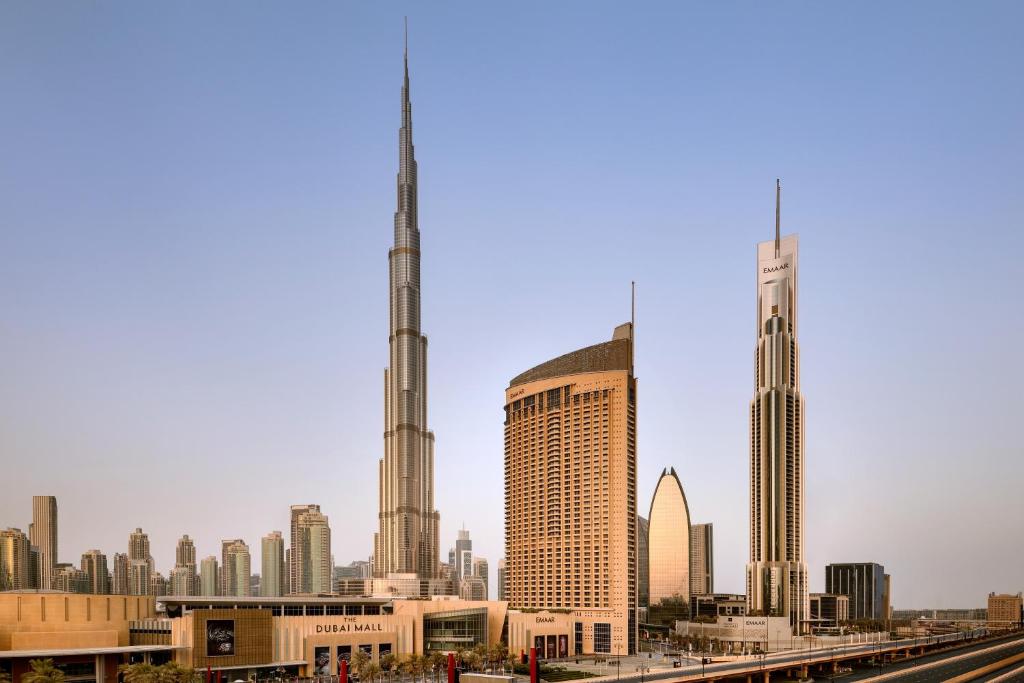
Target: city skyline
83,340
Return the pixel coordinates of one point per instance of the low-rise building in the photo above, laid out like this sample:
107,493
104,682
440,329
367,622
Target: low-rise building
89,635
829,610
718,605
866,585
310,635
560,633
743,634
1005,610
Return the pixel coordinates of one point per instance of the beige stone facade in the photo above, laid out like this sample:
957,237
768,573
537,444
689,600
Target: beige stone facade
48,620
299,632
570,496
559,634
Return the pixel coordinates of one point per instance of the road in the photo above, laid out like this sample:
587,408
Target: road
890,672
1012,674
954,663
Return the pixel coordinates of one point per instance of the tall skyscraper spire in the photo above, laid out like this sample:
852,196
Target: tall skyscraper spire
407,540
777,572
778,215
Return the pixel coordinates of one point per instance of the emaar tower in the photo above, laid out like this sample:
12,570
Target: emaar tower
407,540
777,572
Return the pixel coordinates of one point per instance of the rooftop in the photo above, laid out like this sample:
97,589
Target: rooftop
86,651
609,355
283,600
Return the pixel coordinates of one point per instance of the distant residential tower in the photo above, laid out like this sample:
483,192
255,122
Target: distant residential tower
702,559
43,536
272,577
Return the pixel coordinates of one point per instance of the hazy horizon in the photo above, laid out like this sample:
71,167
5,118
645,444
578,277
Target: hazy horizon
196,206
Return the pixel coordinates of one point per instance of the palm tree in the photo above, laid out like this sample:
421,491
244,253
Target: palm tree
368,671
172,672
497,654
140,673
414,664
43,671
438,662
359,660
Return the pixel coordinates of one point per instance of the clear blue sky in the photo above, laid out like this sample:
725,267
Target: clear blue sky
196,205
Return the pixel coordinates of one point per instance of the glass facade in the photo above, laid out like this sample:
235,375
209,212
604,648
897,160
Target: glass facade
603,638
668,543
643,572
456,630
862,583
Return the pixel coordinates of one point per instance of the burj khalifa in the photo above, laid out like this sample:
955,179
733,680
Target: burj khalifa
407,540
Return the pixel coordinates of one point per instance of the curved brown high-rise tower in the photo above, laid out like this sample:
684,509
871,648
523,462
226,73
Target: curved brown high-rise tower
570,495
408,537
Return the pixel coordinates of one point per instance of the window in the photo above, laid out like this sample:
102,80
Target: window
603,638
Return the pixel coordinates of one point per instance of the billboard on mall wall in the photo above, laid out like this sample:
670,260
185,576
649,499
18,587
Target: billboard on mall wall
322,659
220,637
344,655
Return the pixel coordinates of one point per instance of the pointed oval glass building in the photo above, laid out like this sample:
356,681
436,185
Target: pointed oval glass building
668,541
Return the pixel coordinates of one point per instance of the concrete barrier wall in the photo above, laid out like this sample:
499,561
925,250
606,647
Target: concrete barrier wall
485,678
